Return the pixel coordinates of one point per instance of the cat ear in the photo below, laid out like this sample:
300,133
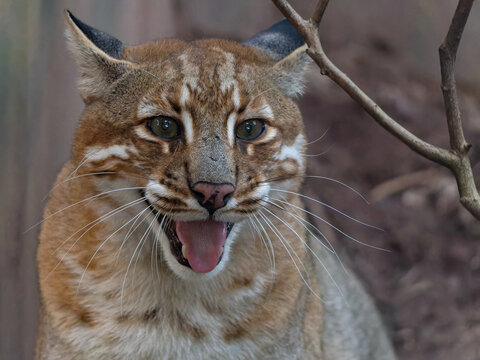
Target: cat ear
285,45
98,56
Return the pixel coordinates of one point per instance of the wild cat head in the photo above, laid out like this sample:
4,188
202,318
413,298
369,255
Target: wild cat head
202,128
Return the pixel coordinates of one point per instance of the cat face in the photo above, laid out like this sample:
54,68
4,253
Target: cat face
202,129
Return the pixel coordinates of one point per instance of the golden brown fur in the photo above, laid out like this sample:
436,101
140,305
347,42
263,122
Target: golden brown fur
111,290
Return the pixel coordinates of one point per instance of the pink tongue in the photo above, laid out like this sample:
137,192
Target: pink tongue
203,241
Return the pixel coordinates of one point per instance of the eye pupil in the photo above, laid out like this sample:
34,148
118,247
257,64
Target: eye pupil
165,124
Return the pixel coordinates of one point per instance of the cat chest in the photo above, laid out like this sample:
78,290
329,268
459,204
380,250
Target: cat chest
159,340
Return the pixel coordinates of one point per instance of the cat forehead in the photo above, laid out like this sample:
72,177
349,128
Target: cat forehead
216,50
202,63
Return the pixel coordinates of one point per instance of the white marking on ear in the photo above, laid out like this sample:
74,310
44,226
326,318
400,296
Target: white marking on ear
187,125
232,119
97,153
294,151
146,110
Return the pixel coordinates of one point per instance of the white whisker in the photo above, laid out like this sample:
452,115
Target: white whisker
318,139
254,226
334,227
340,183
101,245
328,206
139,245
92,174
311,251
322,153
279,236
96,222
80,202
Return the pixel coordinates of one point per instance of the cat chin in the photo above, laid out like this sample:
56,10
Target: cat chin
186,273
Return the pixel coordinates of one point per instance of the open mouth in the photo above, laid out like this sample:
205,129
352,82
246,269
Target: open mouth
198,245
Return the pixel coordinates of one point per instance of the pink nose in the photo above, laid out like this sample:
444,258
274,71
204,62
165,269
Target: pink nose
212,196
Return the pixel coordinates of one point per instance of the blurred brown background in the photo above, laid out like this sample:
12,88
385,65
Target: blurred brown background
427,287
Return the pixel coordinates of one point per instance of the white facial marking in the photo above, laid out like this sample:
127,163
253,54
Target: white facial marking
142,133
153,189
185,95
146,110
266,112
165,148
190,71
236,96
226,71
261,191
98,153
293,151
187,125
271,133
232,119
250,149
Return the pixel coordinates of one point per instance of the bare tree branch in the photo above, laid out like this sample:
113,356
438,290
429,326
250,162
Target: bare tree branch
456,158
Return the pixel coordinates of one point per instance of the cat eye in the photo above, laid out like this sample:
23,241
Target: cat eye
164,127
250,129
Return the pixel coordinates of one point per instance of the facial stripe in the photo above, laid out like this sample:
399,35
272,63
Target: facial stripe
226,71
236,96
191,72
97,153
188,126
232,119
185,97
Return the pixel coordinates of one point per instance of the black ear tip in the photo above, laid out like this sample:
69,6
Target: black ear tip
75,20
105,42
278,40
69,14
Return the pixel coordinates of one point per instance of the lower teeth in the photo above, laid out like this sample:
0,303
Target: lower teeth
184,251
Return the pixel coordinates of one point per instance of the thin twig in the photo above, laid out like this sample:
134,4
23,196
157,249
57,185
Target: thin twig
462,168
456,158
318,13
448,54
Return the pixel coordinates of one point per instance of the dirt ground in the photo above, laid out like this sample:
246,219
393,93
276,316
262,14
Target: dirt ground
427,285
